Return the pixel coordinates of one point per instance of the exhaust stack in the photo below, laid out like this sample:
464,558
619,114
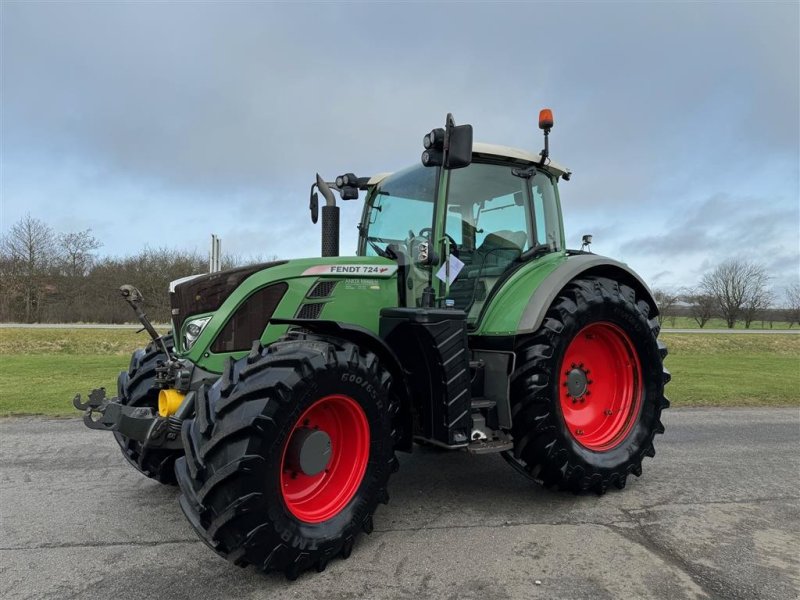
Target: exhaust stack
330,220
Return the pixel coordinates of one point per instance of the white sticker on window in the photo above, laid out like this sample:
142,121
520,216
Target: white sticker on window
450,270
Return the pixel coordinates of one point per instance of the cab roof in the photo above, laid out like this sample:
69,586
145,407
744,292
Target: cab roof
497,151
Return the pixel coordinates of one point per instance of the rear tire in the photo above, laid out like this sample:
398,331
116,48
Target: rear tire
135,387
596,337
238,489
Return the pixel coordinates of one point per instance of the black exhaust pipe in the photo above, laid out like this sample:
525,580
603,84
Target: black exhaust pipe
330,220
330,231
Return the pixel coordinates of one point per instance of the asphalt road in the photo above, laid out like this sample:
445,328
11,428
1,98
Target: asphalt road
715,515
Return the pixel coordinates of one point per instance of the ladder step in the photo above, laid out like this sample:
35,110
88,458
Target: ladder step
488,447
482,403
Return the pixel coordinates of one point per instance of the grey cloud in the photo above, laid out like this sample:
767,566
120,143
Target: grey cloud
228,109
241,95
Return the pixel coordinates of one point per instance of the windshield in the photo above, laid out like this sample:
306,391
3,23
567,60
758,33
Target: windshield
402,202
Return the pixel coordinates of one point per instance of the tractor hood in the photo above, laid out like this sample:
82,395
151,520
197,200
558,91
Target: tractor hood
220,314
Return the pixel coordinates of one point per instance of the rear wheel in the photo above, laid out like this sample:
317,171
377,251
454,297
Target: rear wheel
588,389
289,454
136,387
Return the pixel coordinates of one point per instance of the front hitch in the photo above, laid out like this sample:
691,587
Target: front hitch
134,422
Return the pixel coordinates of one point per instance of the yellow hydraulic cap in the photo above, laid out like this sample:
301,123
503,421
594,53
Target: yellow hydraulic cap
169,401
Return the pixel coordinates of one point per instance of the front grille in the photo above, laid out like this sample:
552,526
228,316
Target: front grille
310,311
322,289
207,293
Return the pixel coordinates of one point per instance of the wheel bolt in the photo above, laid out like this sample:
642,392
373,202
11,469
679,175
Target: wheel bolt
579,432
608,412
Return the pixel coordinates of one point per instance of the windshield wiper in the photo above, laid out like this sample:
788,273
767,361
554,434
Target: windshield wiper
378,250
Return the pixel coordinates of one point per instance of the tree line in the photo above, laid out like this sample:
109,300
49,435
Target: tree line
49,277
736,291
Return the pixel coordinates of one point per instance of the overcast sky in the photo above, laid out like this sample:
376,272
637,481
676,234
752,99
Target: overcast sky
161,123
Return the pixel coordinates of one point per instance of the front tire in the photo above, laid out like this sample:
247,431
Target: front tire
247,487
588,389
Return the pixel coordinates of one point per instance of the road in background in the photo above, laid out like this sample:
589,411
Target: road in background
167,326
79,325
715,515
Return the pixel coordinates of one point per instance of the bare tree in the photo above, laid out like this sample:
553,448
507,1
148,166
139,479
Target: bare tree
77,252
737,286
793,304
701,306
758,300
666,300
29,249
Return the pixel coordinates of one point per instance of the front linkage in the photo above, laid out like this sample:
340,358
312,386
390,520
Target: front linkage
134,422
140,423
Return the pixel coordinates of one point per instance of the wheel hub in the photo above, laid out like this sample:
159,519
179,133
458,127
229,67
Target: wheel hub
577,382
601,386
309,451
324,458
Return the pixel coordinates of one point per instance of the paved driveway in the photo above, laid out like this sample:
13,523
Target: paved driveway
716,514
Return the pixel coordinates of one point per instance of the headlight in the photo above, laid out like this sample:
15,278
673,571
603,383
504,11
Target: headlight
192,331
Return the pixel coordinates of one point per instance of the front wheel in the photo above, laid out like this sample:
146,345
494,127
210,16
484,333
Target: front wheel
588,389
289,454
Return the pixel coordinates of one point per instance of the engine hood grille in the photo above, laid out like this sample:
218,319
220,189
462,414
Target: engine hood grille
207,293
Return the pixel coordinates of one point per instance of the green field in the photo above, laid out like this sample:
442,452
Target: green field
42,369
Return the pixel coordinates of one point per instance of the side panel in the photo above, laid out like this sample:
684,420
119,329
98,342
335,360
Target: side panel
504,308
520,306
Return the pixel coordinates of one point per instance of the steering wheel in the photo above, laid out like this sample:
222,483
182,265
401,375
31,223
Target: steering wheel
427,232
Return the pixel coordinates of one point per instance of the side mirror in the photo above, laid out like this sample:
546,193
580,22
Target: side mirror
459,152
450,147
313,205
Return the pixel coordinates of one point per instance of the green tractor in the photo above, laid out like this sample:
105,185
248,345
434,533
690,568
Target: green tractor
278,401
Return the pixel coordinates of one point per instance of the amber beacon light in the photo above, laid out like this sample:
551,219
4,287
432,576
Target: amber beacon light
545,118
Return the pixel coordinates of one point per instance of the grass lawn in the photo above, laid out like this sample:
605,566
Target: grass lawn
42,369
733,370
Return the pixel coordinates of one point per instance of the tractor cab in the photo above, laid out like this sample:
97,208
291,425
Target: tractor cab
499,211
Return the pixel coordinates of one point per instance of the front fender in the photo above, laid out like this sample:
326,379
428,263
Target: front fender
365,338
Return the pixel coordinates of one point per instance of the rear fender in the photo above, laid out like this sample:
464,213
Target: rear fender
576,266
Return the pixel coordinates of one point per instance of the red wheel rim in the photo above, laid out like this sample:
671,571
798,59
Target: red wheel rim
317,498
600,389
